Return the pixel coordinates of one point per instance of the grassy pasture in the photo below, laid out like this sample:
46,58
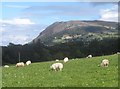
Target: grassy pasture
80,72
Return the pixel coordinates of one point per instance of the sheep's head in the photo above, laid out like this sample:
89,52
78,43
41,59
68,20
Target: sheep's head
51,68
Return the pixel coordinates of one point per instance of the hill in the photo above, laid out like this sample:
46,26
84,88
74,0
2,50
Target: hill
80,72
38,52
70,38
62,32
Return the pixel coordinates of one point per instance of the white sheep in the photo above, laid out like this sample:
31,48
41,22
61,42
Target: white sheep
66,59
118,52
6,66
89,56
28,62
56,60
56,66
105,63
20,64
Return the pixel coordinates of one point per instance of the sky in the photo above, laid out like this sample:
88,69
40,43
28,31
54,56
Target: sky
21,22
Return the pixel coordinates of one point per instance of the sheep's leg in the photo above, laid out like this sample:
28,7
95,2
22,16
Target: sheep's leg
102,64
60,69
106,65
55,69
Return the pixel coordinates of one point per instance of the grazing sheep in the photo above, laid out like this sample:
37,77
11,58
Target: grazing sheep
66,59
105,63
56,66
118,52
89,56
56,60
6,66
20,64
28,62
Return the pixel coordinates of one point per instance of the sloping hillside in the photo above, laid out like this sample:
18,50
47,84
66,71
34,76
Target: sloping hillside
61,32
76,73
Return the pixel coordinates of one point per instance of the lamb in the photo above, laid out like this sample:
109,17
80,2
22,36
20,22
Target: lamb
105,63
28,62
89,56
6,66
56,66
20,64
66,59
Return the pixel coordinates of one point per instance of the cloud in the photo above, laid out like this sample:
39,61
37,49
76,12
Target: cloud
102,3
109,14
58,10
17,39
19,34
52,8
2,30
16,6
17,21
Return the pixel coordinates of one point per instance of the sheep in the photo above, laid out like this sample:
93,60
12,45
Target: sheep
56,66
20,64
6,66
66,59
118,52
105,63
89,56
56,60
28,62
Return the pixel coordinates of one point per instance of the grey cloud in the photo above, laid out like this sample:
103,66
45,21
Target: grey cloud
102,3
51,8
58,10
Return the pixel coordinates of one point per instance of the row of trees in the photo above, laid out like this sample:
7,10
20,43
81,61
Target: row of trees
37,52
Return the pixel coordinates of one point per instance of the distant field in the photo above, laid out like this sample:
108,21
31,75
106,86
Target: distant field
81,72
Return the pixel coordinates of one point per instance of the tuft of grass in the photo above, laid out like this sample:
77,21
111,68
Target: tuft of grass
80,72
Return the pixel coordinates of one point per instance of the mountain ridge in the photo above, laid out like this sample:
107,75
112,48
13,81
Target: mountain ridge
77,27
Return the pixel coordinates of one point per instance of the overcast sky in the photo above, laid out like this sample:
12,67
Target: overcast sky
21,22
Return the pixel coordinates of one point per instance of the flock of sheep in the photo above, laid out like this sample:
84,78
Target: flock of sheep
20,64
59,66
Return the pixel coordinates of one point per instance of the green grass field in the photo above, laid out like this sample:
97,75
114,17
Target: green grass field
76,73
